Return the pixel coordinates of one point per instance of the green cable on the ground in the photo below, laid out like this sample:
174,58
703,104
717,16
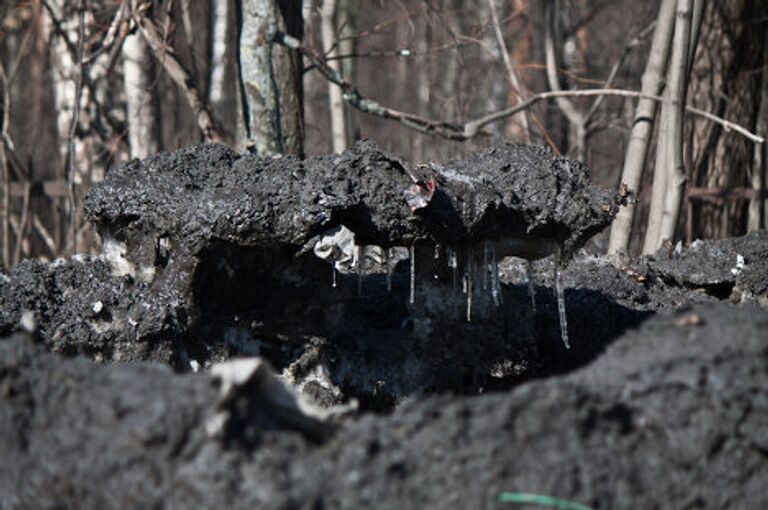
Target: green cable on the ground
538,499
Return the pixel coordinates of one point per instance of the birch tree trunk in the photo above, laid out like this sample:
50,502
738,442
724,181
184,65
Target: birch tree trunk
335,100
219,41
141,103
678,83
651,241
65,72
270,78
669,174
642,129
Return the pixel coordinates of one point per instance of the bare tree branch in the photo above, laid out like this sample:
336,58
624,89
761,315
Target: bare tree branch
463,132
634,43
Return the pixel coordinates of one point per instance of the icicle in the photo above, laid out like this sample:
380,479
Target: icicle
531,287
435,275
413,273
389,269
333,276
469,283
486,255
358,261
498,299
453,263
559,292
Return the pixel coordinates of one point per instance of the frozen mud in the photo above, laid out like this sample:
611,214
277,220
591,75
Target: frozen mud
673,415
370,334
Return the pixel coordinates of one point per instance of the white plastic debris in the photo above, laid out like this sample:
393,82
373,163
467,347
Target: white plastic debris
337,246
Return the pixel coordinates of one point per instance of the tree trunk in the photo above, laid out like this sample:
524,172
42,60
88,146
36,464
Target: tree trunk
642,129
346,21
335,100
523,131
758,214
219,42
141,102
65,76
678,85
725,81
270,78
575,117
658,188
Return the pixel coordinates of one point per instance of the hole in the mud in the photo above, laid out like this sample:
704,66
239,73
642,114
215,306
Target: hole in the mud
720,290
370,343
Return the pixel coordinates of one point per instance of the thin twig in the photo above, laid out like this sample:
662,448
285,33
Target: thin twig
44,234
111,37
23,222
472,127
514,79
635,42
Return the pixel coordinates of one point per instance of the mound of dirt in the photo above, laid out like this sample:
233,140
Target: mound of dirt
673,415
416,365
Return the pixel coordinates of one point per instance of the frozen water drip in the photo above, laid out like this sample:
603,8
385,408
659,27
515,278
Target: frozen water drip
560,294
531,286
498,299
413,274
469,283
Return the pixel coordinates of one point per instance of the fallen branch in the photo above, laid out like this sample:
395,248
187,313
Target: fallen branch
463,132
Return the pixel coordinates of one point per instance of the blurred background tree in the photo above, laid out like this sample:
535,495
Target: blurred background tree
88,84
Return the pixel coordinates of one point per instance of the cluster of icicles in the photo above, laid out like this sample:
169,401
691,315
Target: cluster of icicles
339,249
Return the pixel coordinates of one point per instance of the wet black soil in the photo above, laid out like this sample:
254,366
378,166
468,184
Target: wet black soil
382,393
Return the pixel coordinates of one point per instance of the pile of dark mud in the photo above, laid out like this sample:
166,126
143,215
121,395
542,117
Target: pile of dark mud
350,331
673,415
